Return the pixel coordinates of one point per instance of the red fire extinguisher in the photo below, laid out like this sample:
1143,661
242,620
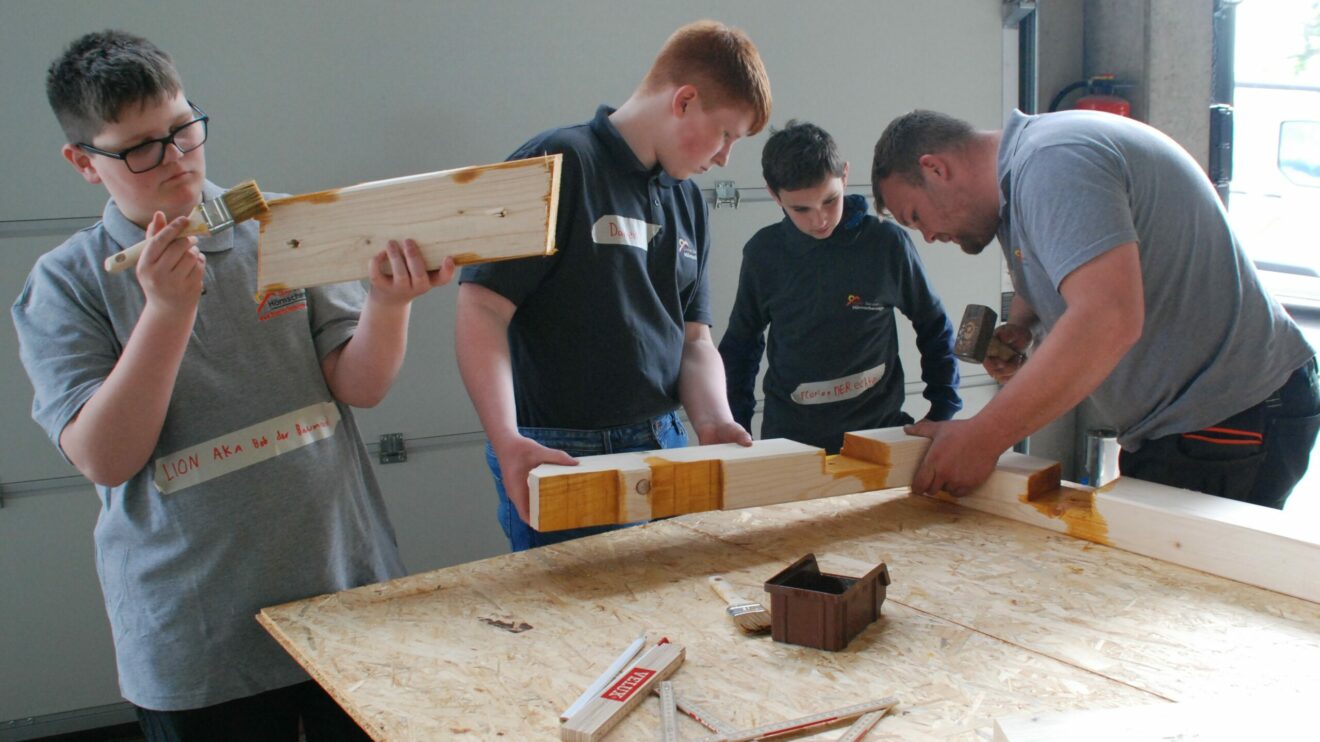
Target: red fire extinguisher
1101,95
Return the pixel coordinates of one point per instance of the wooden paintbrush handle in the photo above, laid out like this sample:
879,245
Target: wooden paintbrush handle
128,257
124,259
725,590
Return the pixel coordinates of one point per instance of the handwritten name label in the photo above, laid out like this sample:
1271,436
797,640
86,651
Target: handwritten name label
243,448
837,390
622,230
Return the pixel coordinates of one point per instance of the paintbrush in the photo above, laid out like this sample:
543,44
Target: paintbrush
238,204
750,616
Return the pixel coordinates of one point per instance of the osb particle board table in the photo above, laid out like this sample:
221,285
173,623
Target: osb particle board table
986,618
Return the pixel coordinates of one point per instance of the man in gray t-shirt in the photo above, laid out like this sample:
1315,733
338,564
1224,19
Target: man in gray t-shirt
1120,250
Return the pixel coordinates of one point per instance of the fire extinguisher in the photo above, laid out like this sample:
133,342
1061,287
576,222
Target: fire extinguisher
1102,94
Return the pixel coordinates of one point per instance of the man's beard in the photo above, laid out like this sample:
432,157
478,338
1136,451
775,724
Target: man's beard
973,245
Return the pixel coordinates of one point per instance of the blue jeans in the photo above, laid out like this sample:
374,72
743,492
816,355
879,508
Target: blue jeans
665,431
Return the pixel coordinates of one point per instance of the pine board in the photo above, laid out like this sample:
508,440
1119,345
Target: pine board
475,214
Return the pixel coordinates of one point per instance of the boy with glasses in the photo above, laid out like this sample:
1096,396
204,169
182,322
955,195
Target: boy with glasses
142,157
217,430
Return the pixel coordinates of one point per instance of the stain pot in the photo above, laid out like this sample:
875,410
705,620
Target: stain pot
822,610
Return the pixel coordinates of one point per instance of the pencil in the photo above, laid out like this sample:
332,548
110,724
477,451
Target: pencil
605,677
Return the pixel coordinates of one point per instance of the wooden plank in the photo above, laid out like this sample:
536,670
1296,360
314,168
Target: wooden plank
684,487
1015,473
768,471
1224,537
475,214
1249,543
599,490
891,447
633,685
726,476
675,481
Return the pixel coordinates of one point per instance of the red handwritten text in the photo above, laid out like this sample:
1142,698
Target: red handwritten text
182,466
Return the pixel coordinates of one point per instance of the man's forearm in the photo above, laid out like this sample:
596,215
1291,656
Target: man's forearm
1104,319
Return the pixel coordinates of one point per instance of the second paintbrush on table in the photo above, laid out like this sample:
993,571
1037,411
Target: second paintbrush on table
748,615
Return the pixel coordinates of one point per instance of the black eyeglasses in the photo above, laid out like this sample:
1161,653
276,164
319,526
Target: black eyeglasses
142,157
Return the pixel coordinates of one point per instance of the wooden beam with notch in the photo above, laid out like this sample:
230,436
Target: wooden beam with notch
1223,537
631,487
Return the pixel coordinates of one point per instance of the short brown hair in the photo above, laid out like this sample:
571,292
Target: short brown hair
800,155
102,73
910,136
721,62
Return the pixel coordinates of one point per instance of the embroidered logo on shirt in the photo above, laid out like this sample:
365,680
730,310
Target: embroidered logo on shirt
622,230
281,302
856,302
686,249
837,390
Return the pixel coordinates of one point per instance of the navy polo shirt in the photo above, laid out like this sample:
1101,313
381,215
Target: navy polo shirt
597,339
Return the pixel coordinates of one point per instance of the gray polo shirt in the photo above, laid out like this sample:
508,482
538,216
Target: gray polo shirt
259,491
1076,184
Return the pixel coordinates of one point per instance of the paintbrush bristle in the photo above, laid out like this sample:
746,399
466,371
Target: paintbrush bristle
244,201
750,617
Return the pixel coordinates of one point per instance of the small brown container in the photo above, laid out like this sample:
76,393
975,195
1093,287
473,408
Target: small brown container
822,610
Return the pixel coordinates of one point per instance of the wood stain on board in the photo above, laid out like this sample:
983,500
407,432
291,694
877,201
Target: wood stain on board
466,175
1076,508
872,476
319,197
679,487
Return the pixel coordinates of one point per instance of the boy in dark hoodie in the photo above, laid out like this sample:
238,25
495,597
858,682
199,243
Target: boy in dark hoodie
827,280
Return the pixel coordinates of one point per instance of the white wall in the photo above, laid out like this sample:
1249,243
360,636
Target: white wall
306,95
